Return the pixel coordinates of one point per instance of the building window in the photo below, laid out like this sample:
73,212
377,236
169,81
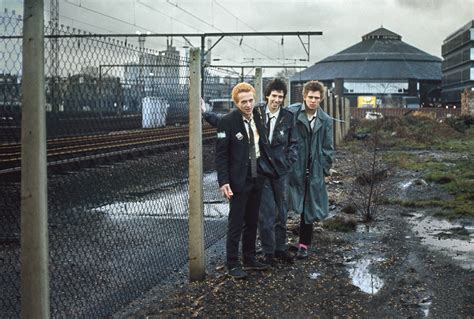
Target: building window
375,87
472,74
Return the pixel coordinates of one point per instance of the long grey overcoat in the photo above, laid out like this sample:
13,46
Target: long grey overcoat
309,195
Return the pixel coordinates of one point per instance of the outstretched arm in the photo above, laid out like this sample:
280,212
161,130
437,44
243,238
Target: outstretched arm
210,117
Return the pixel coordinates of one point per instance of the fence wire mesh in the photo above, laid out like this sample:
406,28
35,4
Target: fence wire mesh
117,130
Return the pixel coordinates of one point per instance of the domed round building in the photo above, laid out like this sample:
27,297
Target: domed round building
381,68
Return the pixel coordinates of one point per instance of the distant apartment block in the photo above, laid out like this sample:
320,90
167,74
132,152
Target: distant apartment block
458,64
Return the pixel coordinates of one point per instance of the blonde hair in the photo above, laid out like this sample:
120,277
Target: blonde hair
239,88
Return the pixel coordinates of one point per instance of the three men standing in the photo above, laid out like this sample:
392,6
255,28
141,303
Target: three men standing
299,144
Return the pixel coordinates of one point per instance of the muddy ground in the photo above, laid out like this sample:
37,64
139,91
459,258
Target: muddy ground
391,267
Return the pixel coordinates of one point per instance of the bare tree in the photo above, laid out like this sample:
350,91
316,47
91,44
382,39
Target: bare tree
369,181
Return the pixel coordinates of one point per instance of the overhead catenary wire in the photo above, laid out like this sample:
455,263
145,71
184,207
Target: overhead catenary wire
207,23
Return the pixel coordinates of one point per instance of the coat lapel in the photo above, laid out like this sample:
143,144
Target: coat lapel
258,118
318,123
240,125
303,119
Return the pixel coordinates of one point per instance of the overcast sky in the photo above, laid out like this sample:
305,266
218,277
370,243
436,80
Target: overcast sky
421,23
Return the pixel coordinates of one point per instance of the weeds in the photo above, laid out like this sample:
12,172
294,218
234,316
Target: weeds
369,186
454,174
340,224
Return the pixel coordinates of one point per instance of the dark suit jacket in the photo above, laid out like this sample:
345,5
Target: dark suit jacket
284,145
232,149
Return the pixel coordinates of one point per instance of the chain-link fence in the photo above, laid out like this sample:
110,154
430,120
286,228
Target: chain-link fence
117,129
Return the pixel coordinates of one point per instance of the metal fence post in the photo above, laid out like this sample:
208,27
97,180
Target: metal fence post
258,84
196,208
34,207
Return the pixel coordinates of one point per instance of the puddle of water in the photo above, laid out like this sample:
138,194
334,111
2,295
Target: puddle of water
170,203
425,305
417,182
365,228
361,276
314,275
439,235
405,185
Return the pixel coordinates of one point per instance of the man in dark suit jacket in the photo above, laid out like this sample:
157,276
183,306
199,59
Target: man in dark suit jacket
237,155
280,129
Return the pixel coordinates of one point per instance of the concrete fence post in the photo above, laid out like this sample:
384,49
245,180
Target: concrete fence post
330,111
196,206
34,201
347,116
337,124
259,84
287,100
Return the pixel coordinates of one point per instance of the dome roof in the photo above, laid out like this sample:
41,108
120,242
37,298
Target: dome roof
380,55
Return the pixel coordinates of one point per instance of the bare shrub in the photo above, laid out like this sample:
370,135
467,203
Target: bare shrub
369,182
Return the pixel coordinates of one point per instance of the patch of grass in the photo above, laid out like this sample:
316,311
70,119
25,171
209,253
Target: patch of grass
451,209
455,176
463,145
420,132
440,178
457,179
340,224
456,209
349,209
412,162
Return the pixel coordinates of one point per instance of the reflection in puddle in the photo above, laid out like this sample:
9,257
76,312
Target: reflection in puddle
425,305
366,228
170,203
418,182
314,275
406,185
452,239
361,276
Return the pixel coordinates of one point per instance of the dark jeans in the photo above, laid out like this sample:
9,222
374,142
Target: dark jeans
306,232
243,220
273,215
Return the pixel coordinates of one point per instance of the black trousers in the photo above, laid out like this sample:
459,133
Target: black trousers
306,232
243,220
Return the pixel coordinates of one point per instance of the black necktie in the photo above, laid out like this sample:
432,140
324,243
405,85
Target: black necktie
269,121
253,151
310,122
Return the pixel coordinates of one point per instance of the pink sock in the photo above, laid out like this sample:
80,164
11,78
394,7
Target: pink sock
303,246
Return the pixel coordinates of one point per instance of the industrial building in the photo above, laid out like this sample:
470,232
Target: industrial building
379,71
458,64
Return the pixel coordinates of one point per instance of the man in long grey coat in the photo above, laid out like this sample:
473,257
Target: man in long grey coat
308,193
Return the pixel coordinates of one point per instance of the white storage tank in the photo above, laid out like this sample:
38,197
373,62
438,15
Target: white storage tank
154,111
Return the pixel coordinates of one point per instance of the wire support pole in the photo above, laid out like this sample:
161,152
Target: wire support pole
34,207
196,206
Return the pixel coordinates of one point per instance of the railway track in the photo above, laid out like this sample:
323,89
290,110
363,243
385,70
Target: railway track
61,151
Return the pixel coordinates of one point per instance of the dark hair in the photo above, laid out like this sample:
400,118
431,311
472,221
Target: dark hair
275,85
314,86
